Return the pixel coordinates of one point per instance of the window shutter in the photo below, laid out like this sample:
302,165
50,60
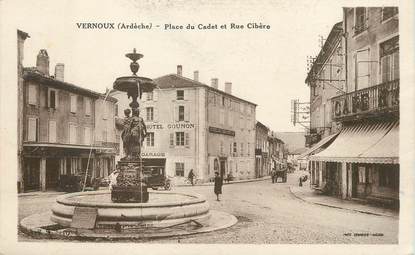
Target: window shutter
73,103
385,63
186,113
47,98
31,131
184,95
52,131
155,95
155,114
171,140
187,139
32,94
395,65
176,113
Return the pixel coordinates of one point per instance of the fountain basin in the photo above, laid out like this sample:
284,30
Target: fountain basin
164,209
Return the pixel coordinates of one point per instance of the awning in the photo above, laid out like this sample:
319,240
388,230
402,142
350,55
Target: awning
386,151
375,142
318,146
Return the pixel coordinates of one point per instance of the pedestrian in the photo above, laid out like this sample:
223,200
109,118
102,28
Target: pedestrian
191,176
273,173
218,185
113,178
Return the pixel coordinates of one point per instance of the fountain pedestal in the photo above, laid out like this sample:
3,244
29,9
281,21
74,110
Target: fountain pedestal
130,185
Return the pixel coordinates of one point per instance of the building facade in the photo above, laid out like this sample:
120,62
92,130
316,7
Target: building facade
276,152
195,126
58,128
262,161
362,162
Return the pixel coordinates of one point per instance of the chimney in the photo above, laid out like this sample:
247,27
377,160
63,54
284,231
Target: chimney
42,62
228,87
60,71
196,75
215,82
179,70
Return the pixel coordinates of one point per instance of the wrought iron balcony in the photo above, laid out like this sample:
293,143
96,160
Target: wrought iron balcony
368,102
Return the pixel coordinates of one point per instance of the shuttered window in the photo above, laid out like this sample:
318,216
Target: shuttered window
171,140
32,94
187,140
72,133
73,103
389,59
362,68
32,129
52,131
87,135
87,107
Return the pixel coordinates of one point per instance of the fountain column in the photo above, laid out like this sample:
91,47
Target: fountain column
131,185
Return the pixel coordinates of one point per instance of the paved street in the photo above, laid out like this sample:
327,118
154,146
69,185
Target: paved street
269,213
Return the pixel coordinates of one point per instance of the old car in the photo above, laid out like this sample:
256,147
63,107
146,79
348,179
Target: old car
156,178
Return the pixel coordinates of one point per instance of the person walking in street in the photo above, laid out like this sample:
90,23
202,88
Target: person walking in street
218,185
191,176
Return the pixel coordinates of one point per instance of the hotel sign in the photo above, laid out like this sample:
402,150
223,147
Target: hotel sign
185,125
221,131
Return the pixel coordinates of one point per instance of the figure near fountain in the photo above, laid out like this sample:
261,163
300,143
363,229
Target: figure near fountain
133,134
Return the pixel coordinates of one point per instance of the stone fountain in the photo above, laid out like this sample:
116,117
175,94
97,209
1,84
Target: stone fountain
129,211
131,186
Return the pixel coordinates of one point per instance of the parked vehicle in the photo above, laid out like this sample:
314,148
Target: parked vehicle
156,178
75,183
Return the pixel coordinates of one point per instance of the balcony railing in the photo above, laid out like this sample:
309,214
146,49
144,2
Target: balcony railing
375,100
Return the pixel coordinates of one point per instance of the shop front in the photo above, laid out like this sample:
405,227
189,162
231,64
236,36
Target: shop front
362,163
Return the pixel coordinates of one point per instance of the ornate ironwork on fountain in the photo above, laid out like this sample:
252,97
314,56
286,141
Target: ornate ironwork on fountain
131,186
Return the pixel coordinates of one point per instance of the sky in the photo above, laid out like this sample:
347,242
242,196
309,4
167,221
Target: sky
266,67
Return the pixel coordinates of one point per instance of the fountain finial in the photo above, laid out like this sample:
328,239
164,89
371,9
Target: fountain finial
134,56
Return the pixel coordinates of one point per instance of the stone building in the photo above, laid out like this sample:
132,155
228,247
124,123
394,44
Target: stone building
363,160
58,129
262,157
195,126
276,151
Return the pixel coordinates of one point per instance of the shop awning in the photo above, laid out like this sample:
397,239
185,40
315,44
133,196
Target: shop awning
386,151
375,142
318,146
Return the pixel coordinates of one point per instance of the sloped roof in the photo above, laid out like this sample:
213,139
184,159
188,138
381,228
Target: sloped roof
177,81
30,73
293,140
326,51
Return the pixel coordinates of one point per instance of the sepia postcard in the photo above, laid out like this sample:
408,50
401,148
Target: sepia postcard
207,127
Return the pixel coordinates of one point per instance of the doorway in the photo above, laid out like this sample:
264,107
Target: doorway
222,167
32,174
52,173
355,180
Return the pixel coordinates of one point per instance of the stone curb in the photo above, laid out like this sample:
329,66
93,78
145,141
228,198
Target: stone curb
225,183
37,232
339,207
39,193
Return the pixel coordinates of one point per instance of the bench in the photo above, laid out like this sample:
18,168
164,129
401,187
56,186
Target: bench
384,201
